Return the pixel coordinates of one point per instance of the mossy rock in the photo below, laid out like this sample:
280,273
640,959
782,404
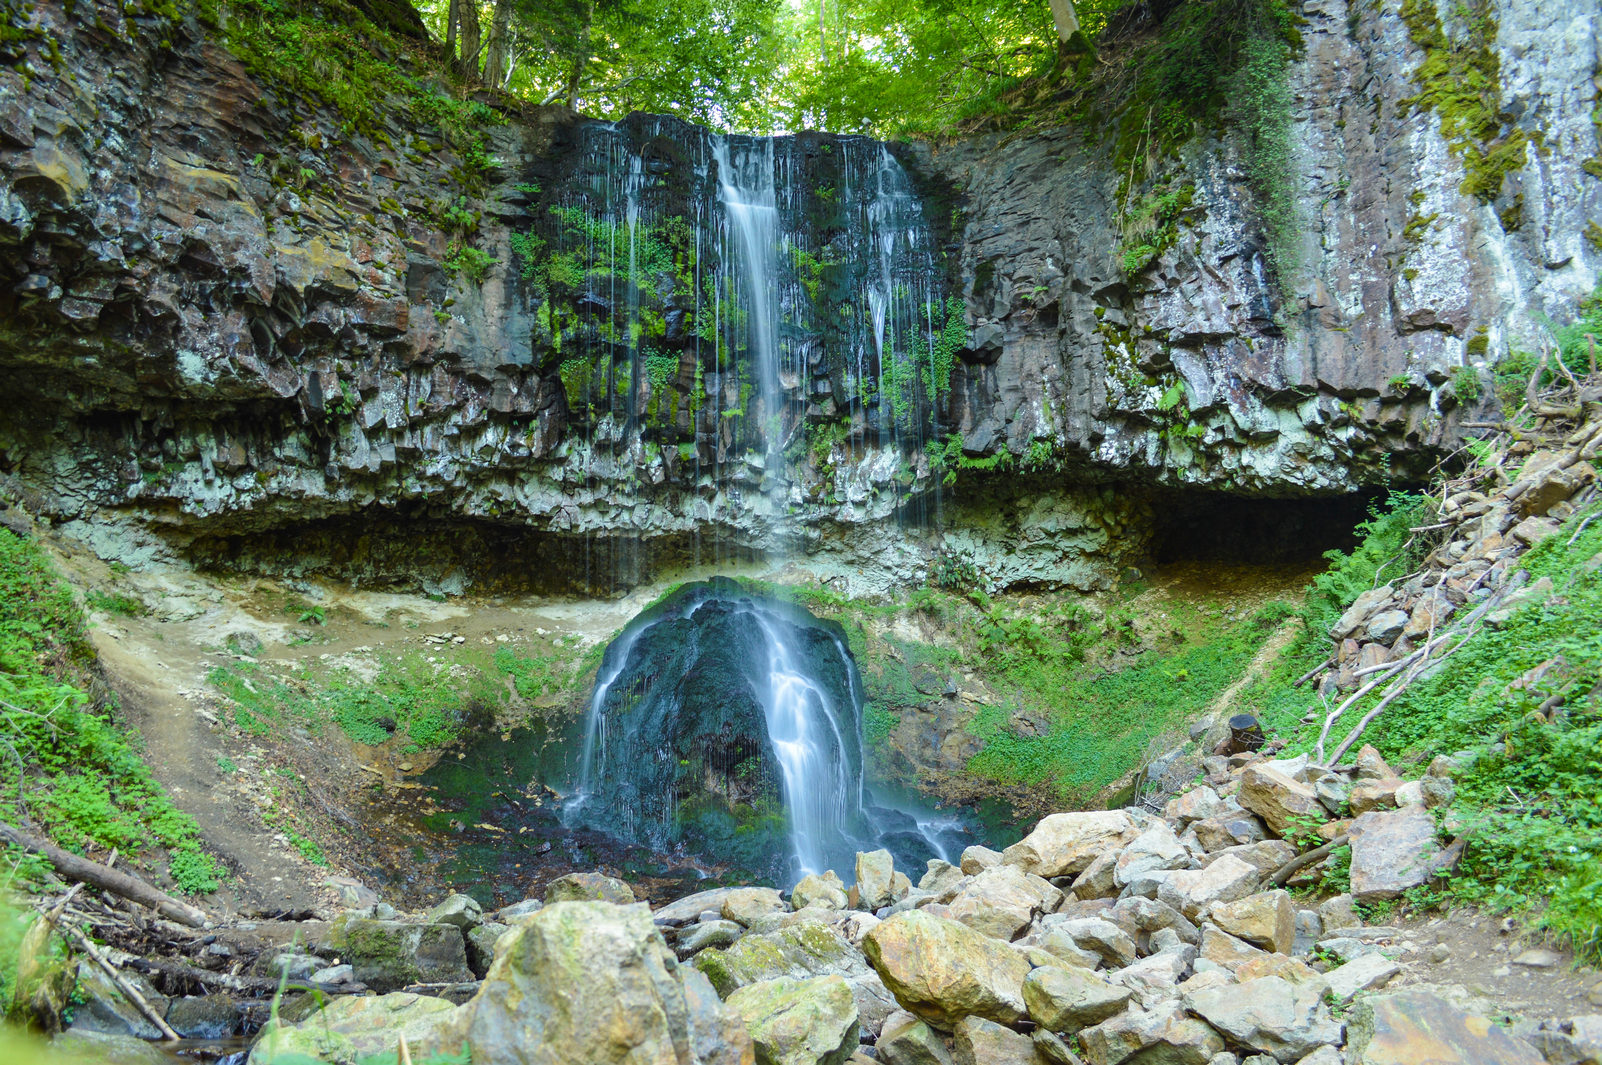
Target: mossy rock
390,955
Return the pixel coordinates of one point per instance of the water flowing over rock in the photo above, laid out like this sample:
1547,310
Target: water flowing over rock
730,724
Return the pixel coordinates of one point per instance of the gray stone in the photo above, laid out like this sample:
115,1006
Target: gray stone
698,937
588,887
390,955
906,1040
875,870
463,911
1386,626
1392,851
981,1042
1270,1014
1066,1000
1366,972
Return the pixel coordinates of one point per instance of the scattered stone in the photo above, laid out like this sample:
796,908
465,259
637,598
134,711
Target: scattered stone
941,876
1112,944
698,937
1052,1050
1409,1027
1221,948
798,1022
463,911
1194,805
588,887
1230,830
1366,972
1539,959
1066,1000
977,859
1191,890
1339,912
942,970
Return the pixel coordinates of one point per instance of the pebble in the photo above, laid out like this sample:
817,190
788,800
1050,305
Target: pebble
1502,970
1594,996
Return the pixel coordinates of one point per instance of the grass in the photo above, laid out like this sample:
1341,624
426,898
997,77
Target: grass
423,699
65,764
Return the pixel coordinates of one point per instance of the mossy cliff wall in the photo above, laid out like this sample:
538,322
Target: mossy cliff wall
253,328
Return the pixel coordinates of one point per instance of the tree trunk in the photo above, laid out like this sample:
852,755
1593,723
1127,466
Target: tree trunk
106,878
497,53
453,16
1066,18
581,57
472,40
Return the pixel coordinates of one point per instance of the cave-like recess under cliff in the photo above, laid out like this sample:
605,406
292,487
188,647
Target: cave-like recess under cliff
236,331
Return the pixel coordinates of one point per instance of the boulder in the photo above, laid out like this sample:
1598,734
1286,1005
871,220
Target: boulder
744,905
1222,949
1370,765
1392,850
390,955
798,1022
1191,890
1165,1035
594,982
1142,917
1368,795
822,890
1155,848
1064,844
1229,830
679,911
698,937
1271,1015
982,1042
905,1040
942,970
1278,798
105,1009
350,1027
481,940
1066,1000
101,1048
205,1017
1096,882
1194,805
1103,938
1001,901
1266,855
875,872
941,876
802,950
463,911
1407,1027
588,887
1339,912
977,859
1366,972
1386,626
1267,920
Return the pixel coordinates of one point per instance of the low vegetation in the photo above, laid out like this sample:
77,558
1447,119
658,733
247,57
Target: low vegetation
67,766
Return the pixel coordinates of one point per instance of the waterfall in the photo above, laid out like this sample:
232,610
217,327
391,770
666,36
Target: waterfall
800,280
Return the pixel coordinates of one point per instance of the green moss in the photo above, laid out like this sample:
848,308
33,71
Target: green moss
1460,80
1151,227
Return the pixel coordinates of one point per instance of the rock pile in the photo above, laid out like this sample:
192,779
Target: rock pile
1102,937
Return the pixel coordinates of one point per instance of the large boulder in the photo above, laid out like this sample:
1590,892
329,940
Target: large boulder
594,982
588,887
1192,890
1002,900
802,950
1392,850
1066,1000
1064,844
1407,1027
798,1022
101,1048
1270,1014
390,955
1286,804
942,970
744,905
350,1027
1156,848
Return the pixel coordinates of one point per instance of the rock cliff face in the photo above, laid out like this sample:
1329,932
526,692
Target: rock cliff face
252,331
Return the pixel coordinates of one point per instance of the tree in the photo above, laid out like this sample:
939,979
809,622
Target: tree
498,48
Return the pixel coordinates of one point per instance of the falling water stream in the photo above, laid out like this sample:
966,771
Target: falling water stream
798,276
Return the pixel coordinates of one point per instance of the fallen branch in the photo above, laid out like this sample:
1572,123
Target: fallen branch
105,878
1315,671
127,989
243,984
1302,861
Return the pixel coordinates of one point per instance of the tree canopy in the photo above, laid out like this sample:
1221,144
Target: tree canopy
870,66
